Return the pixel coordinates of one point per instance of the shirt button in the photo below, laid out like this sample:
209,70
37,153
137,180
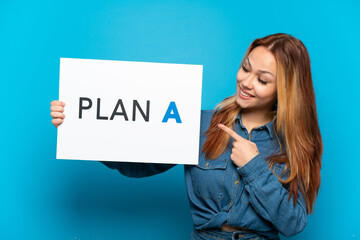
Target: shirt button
237,182
207,164
230,204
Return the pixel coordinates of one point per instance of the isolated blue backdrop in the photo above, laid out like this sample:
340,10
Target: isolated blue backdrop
45,198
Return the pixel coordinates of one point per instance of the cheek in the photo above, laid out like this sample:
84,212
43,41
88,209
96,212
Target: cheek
239,76
267,94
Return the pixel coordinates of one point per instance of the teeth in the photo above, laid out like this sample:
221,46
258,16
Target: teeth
246,95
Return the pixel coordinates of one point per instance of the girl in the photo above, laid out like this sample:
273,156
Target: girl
260,158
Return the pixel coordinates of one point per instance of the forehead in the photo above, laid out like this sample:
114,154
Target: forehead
262,59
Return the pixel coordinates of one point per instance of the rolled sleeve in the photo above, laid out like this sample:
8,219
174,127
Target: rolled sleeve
253,169
138,170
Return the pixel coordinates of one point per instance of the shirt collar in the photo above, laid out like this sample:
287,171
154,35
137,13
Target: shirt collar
268,126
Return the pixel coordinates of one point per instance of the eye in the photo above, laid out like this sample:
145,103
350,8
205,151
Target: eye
262,82
243,67
246,70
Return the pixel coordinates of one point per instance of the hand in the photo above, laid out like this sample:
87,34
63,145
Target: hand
57,109
243,150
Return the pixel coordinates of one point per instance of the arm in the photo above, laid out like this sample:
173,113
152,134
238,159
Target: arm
266,194
270,199
138,170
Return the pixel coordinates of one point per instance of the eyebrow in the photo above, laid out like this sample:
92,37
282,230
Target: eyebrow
262,71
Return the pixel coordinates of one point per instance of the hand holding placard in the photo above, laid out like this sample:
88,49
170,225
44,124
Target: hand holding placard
57,109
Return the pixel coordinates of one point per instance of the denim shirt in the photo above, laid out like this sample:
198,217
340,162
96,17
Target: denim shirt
220,193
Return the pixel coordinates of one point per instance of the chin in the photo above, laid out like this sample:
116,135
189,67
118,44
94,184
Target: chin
240,102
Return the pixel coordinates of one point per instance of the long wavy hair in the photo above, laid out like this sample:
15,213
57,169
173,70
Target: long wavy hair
294,115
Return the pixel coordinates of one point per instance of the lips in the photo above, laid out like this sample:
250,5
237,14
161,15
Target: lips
242,90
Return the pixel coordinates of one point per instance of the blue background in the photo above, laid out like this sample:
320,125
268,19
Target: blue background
45,198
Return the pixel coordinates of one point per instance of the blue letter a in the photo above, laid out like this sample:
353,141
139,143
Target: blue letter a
175,114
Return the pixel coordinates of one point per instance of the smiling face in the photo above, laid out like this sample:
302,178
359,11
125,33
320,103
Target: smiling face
256,81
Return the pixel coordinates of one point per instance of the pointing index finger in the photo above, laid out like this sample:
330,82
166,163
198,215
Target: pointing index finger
229,131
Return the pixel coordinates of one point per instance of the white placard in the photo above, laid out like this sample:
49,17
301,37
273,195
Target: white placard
129,111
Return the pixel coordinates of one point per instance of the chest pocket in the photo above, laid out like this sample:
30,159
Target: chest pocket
208,178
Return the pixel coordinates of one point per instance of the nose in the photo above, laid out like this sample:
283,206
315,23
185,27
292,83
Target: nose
247,82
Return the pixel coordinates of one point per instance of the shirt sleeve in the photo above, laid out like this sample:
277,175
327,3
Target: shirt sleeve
270,199
138,170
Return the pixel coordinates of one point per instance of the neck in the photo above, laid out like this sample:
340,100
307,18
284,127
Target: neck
252,118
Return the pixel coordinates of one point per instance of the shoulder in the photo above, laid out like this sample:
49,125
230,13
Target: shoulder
206,114
205,120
